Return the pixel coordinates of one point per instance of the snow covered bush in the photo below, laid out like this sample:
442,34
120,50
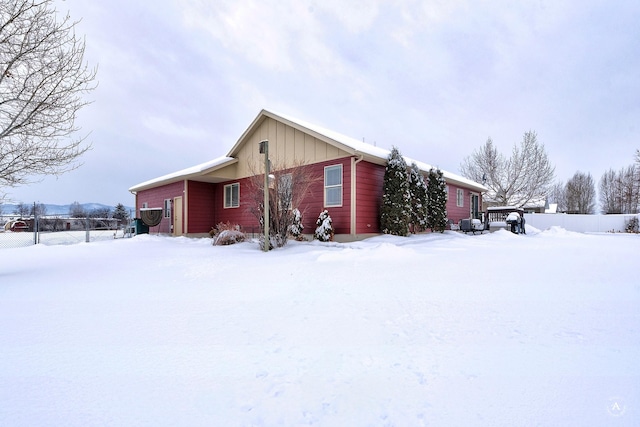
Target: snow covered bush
418,194
632,226
395,212
295,229
436,201
226,234
324,229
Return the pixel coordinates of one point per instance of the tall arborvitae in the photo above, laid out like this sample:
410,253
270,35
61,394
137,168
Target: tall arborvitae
395,212
436,201
418,193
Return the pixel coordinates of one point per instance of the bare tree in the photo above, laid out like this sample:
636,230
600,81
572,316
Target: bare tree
607,193
558,195
103,212
76,210
43,80
38,209
620,191
581,194
515,181
22,210
289,185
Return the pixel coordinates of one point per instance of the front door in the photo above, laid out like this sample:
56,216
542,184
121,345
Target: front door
475,208
177,216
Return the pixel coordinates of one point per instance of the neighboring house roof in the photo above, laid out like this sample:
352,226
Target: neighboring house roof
350,145
553,208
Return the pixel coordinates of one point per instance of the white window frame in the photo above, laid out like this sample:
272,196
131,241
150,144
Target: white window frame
145,205
229,204
329,187
446,190
460,197
167,208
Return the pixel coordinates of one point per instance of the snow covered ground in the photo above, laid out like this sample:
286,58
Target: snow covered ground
438,330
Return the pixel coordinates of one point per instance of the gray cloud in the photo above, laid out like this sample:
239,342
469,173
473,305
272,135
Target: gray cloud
180,81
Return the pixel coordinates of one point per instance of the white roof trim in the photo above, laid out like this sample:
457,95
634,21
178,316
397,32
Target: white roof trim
361,147
352,144
193,171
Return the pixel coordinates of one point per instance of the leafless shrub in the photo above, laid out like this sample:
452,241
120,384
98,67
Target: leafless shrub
289,185
226,234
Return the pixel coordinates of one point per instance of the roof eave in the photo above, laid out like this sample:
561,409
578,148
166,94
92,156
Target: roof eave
186,174
269,114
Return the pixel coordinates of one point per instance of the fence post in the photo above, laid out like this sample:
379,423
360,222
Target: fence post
86,224
35,226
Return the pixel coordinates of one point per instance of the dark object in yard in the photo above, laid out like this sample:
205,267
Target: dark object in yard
471,225
515,223
151,216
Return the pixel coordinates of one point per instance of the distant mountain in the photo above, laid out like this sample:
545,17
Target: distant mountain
61,209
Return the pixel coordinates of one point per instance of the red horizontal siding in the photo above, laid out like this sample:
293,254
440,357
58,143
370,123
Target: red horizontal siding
206,202
201,207
455,212
311,206
154,198
369,179
241,215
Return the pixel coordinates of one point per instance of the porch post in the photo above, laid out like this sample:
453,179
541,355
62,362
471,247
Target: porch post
264,148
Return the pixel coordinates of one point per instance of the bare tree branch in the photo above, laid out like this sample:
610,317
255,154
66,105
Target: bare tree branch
289,188
43,80
581,194
523,178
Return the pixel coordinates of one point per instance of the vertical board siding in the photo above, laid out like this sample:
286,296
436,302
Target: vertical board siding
154,198
287,146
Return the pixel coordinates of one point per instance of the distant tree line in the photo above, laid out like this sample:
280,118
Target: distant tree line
76,210
619,192
526,178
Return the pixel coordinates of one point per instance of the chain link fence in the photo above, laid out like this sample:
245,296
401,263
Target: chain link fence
59,230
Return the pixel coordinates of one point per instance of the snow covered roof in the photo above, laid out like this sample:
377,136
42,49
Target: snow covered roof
193,171
351,145
370,152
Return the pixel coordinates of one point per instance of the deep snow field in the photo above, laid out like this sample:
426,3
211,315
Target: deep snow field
438,330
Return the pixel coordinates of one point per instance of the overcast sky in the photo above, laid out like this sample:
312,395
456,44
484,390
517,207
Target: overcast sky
180,80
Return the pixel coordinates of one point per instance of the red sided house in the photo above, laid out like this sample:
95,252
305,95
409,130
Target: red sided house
349,185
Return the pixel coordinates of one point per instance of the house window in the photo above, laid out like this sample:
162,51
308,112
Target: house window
232,195
460,197
446,192
145,205
333,185
167,208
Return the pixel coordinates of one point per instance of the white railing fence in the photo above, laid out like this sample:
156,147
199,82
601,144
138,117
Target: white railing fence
580,223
